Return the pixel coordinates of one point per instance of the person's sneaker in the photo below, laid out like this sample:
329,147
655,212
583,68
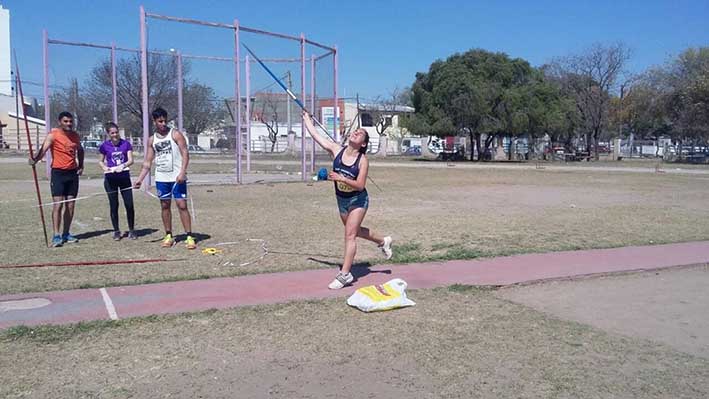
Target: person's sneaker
189,243
168,241
57,241
132,235
386,247
341,281
67,237
117,235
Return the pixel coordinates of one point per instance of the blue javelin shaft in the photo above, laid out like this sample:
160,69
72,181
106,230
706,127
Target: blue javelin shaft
290,93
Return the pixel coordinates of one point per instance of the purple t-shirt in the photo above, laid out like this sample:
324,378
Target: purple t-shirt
115,154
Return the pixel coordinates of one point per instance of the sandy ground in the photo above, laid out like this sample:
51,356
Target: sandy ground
668,307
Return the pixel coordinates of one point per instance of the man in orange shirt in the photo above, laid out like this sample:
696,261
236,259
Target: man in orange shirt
67,166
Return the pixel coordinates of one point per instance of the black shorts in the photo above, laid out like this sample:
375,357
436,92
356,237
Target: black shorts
64,183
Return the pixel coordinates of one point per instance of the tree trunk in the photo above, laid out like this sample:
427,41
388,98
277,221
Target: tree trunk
595,146
488,141
474,143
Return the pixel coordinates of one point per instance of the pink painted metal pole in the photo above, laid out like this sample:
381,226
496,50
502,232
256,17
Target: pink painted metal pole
247,66
336,128
47,110
312,109
303,150
144,89
237,97
114,85
180,88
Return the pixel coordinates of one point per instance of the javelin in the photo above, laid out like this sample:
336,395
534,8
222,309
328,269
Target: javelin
300,104
29,144
290,93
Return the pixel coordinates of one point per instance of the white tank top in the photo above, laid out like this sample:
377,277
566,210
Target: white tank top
168,158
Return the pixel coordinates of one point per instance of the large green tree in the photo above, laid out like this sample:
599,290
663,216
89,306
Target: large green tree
482,94
688,103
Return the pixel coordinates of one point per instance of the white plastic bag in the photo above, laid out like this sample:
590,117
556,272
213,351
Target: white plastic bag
374,298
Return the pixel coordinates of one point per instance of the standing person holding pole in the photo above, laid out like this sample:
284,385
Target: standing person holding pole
349,173
67,166
168,148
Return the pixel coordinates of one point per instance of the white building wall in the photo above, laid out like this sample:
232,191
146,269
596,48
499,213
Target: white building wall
5,53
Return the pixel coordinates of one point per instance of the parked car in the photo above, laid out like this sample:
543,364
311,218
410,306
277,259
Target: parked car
91,145
413,150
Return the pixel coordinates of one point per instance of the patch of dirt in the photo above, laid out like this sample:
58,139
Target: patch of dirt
667,306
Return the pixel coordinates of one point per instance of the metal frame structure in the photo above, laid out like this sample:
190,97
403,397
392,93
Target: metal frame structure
47,41
237,62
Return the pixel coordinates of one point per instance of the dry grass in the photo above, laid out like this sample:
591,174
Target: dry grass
460,342
432,214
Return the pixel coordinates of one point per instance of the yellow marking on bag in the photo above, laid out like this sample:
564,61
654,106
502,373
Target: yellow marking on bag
380,293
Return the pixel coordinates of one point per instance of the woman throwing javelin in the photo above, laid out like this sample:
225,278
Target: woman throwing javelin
349,173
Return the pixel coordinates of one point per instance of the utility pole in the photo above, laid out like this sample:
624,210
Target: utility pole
359,117
17,111
75,103
288,116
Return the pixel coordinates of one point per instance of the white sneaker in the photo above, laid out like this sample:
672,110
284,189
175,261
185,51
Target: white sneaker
386,247
341,281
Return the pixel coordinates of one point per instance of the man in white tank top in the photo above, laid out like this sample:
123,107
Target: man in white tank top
168,148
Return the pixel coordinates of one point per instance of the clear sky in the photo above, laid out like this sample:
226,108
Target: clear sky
382,44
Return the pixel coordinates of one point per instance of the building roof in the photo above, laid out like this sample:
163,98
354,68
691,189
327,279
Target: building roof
36,121
403,109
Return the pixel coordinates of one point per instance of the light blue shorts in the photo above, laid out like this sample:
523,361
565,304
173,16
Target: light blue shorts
359,200
169,190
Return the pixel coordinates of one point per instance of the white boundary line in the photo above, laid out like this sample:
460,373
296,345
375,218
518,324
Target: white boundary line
109,304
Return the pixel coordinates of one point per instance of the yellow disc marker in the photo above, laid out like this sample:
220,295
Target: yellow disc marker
211,251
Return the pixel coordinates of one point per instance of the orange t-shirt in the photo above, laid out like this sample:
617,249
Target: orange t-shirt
64,149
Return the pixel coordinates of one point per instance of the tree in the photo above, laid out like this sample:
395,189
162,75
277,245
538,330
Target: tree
201,109
688,102
644,107
269,117
69,99
564,122
383,109
480,93
590,77
162,89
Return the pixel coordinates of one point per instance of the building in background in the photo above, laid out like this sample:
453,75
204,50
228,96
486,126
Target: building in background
12,126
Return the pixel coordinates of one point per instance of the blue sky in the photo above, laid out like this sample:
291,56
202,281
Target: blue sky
382,44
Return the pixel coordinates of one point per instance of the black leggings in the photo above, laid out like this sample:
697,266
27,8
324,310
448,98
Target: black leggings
112,186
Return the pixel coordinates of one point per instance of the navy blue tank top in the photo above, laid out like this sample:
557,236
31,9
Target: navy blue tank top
349,171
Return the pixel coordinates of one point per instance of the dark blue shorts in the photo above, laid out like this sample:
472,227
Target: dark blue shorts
64,183
359,200
169,190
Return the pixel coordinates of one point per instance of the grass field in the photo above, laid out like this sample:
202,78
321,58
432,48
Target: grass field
432,213
458,342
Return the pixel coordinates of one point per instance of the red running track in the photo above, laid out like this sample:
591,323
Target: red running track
221,293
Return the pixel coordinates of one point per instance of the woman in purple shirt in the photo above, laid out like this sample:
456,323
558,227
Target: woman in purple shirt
116,156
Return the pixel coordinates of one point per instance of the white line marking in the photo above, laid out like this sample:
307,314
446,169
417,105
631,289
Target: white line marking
109,304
